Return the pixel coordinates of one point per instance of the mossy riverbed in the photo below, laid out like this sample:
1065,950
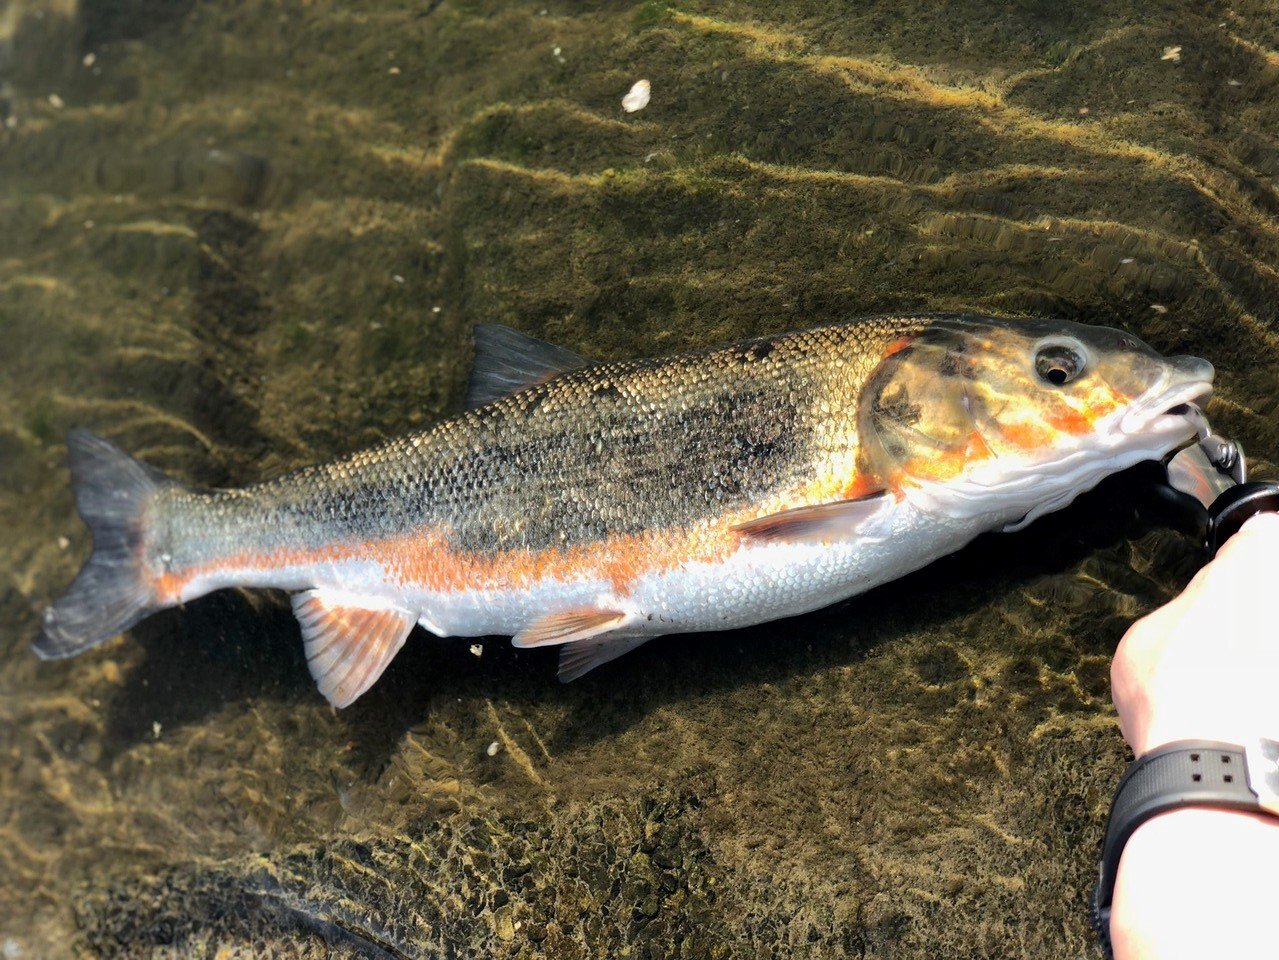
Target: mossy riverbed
236,237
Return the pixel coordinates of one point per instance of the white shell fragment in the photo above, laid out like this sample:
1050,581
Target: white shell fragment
637,97
493,748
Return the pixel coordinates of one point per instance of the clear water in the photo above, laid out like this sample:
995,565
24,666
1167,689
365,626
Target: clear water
237,237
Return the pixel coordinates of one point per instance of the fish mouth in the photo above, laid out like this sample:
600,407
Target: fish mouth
1175,410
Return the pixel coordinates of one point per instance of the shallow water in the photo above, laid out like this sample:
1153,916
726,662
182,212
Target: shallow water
243,236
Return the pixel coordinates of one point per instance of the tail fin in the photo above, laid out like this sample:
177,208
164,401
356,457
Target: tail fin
112,591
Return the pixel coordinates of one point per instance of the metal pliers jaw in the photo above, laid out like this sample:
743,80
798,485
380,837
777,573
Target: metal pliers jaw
1208,482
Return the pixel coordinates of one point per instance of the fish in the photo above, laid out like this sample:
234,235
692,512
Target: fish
595,505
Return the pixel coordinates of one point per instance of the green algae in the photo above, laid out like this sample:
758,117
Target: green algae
249,235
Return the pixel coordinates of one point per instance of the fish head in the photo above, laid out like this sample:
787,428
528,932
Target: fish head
994,417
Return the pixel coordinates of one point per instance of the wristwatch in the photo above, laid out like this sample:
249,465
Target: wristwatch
1187,773
1210,484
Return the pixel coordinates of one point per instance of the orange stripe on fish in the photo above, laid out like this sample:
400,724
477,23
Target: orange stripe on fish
950,463
1082,418
1026,436
863,485
426,560
897,346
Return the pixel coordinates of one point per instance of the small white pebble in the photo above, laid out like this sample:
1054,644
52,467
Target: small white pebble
436,309
542,13
11,123
637,97
1171,53
556,52
397,278
63,543
11,949
1234,83
1158,308
88,224
56,101
155,729
394,71
89,59
477,649
1127,259
493,748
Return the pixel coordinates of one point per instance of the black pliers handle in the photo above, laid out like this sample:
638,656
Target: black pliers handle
1228,512
1211,480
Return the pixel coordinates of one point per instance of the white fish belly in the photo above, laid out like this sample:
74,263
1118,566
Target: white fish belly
758,583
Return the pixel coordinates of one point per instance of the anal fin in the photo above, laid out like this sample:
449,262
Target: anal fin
349,640
569,626
816,523
577,659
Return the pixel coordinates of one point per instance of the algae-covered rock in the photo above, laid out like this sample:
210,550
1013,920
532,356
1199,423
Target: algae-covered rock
465,887
237,237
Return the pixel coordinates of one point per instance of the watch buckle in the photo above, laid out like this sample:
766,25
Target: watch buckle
1263,772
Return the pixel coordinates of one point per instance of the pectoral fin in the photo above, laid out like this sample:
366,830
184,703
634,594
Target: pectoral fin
349,640
569,626
818,523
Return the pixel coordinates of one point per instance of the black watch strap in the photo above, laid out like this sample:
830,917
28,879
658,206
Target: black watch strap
1203,773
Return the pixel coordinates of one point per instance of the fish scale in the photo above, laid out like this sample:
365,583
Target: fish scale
609,450
595,505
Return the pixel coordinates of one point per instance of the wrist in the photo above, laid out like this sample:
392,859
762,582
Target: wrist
1243,720
1195,883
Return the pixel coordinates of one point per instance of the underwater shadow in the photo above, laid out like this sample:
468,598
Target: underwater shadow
221,649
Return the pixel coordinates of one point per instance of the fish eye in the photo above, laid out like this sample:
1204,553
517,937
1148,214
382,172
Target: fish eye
1059,363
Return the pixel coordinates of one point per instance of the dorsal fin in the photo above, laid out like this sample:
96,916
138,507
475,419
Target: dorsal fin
349,640
507,360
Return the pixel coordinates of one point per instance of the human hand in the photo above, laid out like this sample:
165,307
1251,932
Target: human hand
1197,882
1205,666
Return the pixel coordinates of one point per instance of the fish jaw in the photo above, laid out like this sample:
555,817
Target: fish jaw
1160,411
